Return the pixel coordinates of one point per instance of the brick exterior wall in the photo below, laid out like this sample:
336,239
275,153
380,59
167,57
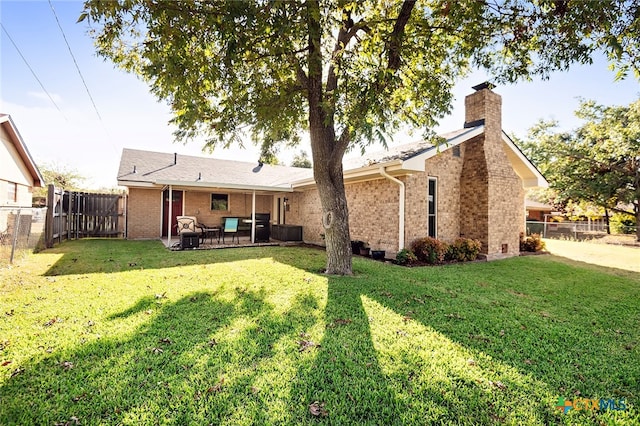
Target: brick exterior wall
144,213
145,209
497,195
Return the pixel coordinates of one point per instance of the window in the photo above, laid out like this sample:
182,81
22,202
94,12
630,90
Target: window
456,151
220,202
12,192
432,207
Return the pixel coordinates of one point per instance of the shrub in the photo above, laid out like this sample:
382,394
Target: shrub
406,257
532,243
463,249
430,250
621,223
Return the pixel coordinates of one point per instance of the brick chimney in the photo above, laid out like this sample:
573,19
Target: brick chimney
491,194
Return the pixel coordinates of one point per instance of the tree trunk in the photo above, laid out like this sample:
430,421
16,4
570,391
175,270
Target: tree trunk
327,154
606,220
327,170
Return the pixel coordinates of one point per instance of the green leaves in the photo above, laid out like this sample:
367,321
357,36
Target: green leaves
598,163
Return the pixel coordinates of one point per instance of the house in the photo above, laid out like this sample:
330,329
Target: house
472,185
537,211
19,173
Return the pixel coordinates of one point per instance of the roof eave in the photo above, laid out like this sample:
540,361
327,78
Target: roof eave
530,175
23,151
231,186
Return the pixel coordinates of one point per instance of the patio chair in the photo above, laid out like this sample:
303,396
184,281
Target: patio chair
230,227
189,224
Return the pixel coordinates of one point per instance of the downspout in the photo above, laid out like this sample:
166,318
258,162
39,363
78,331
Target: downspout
384,173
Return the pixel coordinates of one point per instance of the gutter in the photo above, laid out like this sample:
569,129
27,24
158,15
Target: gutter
383,172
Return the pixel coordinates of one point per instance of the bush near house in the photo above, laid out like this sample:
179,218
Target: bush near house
431,250
463,249
406,257
531,243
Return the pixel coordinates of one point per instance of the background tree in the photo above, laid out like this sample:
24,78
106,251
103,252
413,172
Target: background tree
598,163
61,177
302,160
349,72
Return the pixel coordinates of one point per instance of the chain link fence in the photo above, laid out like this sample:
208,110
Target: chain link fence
571,230
21,231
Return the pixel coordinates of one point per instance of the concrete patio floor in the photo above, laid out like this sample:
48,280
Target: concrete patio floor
213,244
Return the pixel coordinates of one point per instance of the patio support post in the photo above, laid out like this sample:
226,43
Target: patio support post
170,214
253,217
400,184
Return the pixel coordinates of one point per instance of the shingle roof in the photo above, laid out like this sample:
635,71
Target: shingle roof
401,152
159,168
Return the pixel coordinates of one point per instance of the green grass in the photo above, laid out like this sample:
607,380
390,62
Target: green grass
120,332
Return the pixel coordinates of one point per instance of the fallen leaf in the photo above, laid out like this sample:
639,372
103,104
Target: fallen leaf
51,322
217,387
67,365
342,321
166,341
193,299
6,363
498,384
212,343
79,397
402,333
9,314
132,263
502,332
156,350
17,371
317,410
148,311
161,296
306,344
254,390
471,362
528,361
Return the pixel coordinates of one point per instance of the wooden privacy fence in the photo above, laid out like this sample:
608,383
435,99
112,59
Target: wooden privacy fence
73,215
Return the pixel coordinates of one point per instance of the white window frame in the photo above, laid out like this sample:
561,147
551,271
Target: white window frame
432,233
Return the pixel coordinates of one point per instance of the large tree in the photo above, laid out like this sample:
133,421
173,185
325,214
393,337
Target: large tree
598,163
349,72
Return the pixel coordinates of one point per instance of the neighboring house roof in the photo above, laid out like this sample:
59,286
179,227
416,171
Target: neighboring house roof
535,205
147,168
10,128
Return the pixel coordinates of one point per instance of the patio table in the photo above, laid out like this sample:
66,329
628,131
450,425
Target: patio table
211,233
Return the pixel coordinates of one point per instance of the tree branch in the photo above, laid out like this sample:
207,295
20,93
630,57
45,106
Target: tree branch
395,40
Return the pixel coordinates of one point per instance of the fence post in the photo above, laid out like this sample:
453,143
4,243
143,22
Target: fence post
16,229
48,221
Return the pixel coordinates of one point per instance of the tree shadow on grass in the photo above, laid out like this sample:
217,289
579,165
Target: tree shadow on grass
201,360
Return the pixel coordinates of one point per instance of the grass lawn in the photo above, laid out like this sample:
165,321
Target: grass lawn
124,332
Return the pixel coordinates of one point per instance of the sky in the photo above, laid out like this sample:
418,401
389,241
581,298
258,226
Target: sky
82,126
